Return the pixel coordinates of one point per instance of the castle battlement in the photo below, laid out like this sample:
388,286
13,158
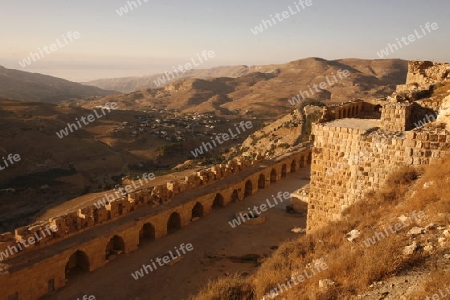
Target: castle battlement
354,156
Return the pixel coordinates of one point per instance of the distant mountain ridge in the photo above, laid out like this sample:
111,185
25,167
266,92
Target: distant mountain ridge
26,86
132,84
266,90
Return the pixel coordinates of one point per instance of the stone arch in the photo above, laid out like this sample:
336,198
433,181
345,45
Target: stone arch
293,166
218,201
115,246
283,171
273,176
377,108
77,264
261,181
248,188
174,222
147,233
302,162
235,196
197,210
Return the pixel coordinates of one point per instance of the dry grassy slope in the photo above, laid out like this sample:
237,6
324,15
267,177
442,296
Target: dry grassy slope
355,270
29,129
276,137
266,93
25,86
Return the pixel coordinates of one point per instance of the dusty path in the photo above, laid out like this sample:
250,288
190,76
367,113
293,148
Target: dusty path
214,241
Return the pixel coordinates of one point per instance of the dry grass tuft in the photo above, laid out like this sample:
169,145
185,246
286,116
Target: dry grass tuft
353,266
228,288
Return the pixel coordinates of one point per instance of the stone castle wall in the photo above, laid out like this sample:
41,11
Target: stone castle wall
422,75
426,72
84,237
343,110
354,156
349,158
349,162
396,116
91,216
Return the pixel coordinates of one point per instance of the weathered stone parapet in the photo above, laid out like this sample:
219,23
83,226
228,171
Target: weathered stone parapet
425,73
349,162
396,116
104,211
88,236
342,110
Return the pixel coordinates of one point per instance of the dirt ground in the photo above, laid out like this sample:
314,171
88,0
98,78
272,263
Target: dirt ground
216,245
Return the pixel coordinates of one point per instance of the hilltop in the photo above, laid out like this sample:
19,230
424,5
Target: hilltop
132,84
409,264
391,240
158,128
265,91
26,86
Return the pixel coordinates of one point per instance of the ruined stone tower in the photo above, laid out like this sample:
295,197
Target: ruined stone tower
352,156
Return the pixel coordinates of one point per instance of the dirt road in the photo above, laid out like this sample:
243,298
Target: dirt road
216,246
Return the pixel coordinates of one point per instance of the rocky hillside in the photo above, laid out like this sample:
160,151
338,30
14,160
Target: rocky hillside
26,86
281,134
393,245
266,93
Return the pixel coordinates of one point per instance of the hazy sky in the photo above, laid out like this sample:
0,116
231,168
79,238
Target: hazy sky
159,34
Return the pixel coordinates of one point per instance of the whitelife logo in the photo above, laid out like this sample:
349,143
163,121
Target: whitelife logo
183,68
427,119
49,49
122,192
322,85
263,207
11,158
296,279
397,227
391,48
162,261
124,9
441,295
86,297
31,240
90,118
266,24
244,126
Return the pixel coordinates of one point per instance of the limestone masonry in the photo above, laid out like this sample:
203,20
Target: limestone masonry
362,152
88,238
356,145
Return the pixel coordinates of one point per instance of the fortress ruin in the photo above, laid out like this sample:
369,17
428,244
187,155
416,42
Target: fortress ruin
88,238
355,145
352,156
